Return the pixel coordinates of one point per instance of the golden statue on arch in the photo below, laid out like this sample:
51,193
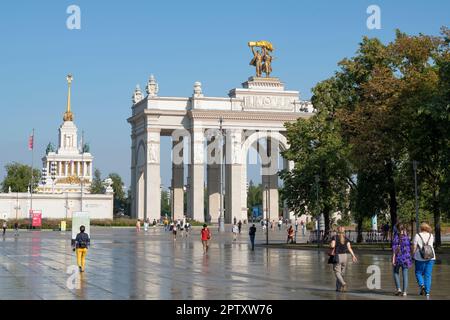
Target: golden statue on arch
262,60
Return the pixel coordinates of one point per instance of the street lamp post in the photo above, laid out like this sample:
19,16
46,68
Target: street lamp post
415,163
221,214
266,189
17,207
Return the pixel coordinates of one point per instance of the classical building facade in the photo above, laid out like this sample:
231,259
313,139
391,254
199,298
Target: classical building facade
252,116
64,189
69,168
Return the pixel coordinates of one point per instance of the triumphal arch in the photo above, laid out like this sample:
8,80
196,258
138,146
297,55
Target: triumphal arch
211,138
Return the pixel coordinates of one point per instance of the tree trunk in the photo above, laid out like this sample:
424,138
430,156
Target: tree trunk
326,215
392,193
359,238
437,220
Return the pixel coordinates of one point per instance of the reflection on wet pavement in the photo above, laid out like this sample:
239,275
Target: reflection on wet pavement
125,265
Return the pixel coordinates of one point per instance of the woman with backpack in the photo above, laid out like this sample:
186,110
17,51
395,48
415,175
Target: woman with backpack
401,258
425,258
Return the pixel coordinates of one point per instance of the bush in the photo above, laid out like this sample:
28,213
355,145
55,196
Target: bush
52,224
55,224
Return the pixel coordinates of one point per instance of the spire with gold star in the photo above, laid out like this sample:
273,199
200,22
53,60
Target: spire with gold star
68,115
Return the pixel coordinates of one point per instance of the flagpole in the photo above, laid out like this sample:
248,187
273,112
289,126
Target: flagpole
82,163
32,178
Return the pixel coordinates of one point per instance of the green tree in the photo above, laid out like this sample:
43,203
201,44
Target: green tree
320,157
119,194
18,177
165,203
97,186
254,197
421,67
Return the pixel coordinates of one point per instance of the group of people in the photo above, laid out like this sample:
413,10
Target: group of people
421,253
146,224
16,228
181,225
404,254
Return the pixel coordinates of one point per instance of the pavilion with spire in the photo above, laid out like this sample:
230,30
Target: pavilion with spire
69,167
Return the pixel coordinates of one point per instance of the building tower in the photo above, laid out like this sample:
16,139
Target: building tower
69,168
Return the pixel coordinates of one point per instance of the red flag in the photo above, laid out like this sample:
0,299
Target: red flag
31,142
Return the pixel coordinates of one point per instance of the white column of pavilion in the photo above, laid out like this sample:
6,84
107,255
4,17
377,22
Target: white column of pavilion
152,175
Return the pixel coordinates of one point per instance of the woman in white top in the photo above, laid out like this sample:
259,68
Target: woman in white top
425,257
235,231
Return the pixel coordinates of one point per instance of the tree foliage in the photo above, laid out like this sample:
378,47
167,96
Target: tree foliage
18,177
119,194
97,186
384,108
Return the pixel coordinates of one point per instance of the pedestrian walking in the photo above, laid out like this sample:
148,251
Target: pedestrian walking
234,220
296,224
425,257
16,229
235,231
146,224
188,227
340,246
240,226
401,258
290,233
82,243
206,237
280,223
252,234
138,225
166,224
5,226
181,229
302,223
174,231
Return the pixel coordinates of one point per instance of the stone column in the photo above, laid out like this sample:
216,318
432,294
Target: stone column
66,168
213,178
233,176
244,191
133,177
177,193
152,206
270,178
197,178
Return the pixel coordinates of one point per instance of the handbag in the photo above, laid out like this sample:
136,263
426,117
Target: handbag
332,259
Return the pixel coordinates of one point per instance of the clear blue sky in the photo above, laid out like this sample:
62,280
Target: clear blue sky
122,42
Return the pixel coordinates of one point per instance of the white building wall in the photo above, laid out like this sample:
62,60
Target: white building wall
56,206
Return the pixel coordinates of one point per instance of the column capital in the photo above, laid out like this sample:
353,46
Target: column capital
158,130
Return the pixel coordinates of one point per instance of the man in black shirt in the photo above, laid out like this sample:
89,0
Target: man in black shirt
252,233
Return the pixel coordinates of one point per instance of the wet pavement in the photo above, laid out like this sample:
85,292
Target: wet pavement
123,264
